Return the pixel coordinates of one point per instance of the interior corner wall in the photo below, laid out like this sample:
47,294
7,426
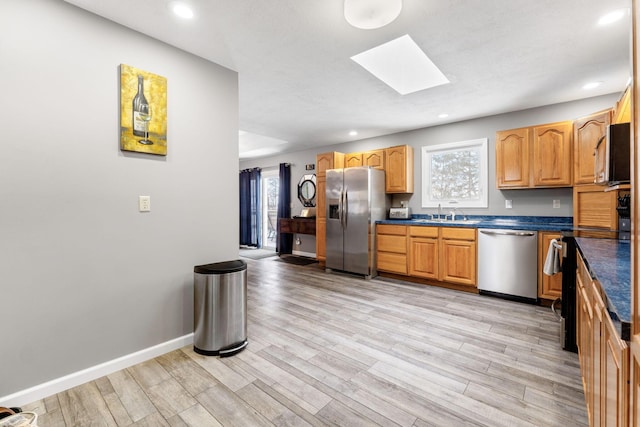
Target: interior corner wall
86,278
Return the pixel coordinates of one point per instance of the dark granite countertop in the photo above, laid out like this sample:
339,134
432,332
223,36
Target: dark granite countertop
609,262
532,223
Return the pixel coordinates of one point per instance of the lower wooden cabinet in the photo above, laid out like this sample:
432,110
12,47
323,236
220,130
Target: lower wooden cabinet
459,255
423,247
603,355
391,248
444,254
549,287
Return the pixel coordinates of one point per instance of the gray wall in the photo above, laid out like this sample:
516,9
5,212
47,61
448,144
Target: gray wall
86,278
525,202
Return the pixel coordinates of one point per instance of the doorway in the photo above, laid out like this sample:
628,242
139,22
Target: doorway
269,214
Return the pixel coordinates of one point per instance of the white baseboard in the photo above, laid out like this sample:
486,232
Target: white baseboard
41,391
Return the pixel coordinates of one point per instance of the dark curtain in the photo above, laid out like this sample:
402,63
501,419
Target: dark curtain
250,224
284,244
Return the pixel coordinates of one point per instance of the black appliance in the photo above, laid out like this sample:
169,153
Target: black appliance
613,162
569,264
624,214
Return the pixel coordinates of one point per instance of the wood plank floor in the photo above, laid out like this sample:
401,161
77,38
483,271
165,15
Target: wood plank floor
332,349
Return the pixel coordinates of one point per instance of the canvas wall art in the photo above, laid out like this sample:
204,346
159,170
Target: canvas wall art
143,111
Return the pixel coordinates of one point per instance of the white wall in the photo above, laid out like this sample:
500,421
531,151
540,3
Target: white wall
536,202
85,277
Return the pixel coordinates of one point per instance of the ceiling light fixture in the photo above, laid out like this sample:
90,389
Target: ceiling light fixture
611,17
353,133
443,116
591,85
183,10
371,14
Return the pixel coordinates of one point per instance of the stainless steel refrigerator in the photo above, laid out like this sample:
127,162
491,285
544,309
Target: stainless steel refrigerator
356,199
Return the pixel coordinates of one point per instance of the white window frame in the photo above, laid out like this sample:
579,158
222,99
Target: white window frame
480,145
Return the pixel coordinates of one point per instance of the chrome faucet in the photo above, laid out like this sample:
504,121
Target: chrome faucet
453,214
439,211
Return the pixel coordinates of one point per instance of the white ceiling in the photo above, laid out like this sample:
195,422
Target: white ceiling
300,89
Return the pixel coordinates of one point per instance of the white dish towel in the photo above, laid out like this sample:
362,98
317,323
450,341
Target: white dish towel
552,262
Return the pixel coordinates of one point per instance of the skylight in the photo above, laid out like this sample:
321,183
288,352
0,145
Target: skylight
402,65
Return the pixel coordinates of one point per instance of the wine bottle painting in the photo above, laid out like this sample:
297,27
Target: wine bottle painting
143,111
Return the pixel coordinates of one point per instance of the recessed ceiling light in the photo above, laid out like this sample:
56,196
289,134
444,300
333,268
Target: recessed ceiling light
353,133
402,65
443,116
614,16
183,10
591,85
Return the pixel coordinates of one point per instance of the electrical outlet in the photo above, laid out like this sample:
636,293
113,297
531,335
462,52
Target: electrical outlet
144,203
556,204
508,204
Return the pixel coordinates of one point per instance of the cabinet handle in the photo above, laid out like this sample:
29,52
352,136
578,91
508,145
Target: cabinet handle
508,233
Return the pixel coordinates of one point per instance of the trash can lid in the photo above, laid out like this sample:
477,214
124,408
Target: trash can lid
221,267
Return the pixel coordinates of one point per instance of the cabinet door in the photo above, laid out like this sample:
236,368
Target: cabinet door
549,287
352,160
458,262
587,132
331,160
399,169
594,207
615,371
373,158
512,158
622,112
552,148
321,236
423,259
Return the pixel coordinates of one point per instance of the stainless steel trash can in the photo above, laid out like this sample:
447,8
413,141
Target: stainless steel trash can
220,308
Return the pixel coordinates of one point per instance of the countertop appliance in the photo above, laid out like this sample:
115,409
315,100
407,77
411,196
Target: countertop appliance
613,162
400,213
508,264
355,200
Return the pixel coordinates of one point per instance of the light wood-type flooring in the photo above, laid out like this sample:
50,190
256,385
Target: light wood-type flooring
333,349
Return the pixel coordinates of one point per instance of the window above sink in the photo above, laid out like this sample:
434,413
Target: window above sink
456,175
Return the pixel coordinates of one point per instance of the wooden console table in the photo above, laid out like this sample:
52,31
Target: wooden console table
297,225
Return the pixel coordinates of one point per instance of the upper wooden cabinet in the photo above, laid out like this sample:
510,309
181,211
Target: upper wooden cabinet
536,156
552,148
399,169
587,131
374,158
352,160
622,111
332,160
512,158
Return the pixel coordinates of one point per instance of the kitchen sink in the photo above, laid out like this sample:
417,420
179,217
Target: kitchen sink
447,221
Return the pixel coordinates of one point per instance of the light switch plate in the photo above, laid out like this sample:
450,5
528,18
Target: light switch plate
144,203
508,204
556,204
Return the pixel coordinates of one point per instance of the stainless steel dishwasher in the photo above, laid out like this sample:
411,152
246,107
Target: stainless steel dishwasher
508,264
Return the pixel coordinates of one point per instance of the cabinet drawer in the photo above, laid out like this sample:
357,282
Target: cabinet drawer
458,233
396,244
419,231
393,263
400,230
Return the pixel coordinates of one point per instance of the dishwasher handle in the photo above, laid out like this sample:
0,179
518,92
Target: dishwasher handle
508,233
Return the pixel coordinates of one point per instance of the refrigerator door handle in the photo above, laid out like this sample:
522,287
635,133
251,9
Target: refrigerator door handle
345,207
340,207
